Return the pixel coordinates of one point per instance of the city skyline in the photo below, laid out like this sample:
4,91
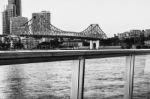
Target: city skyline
75,15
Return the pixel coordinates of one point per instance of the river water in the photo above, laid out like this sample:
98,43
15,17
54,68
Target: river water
104,79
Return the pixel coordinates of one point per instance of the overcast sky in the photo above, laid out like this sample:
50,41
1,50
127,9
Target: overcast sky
113,16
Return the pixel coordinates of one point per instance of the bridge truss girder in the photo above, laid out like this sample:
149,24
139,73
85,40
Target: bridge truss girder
40,29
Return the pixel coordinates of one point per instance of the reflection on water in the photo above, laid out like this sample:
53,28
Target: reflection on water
104,79
11,82
15,81
36,81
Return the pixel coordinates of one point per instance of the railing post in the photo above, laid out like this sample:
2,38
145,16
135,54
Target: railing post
130,63
78,80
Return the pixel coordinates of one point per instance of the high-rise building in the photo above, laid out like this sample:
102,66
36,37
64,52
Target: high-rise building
41,21
13,9
17,25
5,22
11,12
17,4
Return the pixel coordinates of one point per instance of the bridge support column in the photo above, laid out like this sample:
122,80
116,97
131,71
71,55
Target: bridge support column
91,44
94,44
97,44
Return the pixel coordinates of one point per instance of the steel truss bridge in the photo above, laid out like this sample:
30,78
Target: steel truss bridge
40,27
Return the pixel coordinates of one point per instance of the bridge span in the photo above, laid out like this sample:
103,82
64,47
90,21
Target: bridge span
35,28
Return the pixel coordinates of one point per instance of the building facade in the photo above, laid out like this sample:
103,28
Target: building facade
123,35
13,9
17,4
41,22
17,25
5,22
29,42
130,34
147,33
135,33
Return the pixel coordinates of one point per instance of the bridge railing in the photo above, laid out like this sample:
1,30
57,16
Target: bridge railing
78,72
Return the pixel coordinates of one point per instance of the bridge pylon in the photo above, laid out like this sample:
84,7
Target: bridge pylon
94,44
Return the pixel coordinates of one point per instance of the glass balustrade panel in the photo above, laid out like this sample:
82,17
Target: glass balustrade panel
49,80
105,78
141,85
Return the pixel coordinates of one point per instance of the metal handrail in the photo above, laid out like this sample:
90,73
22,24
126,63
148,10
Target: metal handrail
34,56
